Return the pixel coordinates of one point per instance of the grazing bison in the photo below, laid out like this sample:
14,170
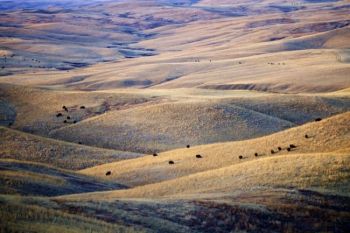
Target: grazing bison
68,117
199,156
292,146
108,173
256,154
65,121
171,162
65,108
59,115
188,146
155,154
289,149
79,143
74,122
240,157
279,148
318,119
306,136
82,107
272,151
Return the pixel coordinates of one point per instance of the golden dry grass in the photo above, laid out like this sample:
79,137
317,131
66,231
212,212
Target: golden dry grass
115,119
326,136
327,172
227,77
27,147
37,179
308,51
20,214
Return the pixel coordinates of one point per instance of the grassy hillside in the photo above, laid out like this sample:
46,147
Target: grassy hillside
19,214
27,147
36,109
200,121
321,172
327,135
27,178
175,116
274,46
172,125
116,119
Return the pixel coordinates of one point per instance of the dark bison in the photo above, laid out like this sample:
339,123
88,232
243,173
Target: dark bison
199,156
279,148
188,146
306,136
292,146
289,149
240,157
272,151
155,154
82,107
171,162
68,117
318,119
59,115
108,173
256,154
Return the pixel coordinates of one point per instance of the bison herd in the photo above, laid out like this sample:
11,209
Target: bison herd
68,118
240,157
291,147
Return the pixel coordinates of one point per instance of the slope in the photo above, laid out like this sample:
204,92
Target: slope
27,147
325,136
28,178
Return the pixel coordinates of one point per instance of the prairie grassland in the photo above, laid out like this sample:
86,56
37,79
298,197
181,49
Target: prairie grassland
28,178
200,120
36,108
19,214
27,147
327,172
266,51
89,91
328,135
115,119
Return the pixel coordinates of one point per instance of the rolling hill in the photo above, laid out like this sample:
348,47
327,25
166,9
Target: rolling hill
27,147
174,116
329,135
34,179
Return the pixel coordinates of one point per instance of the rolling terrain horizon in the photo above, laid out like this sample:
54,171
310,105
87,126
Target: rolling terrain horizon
175,116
